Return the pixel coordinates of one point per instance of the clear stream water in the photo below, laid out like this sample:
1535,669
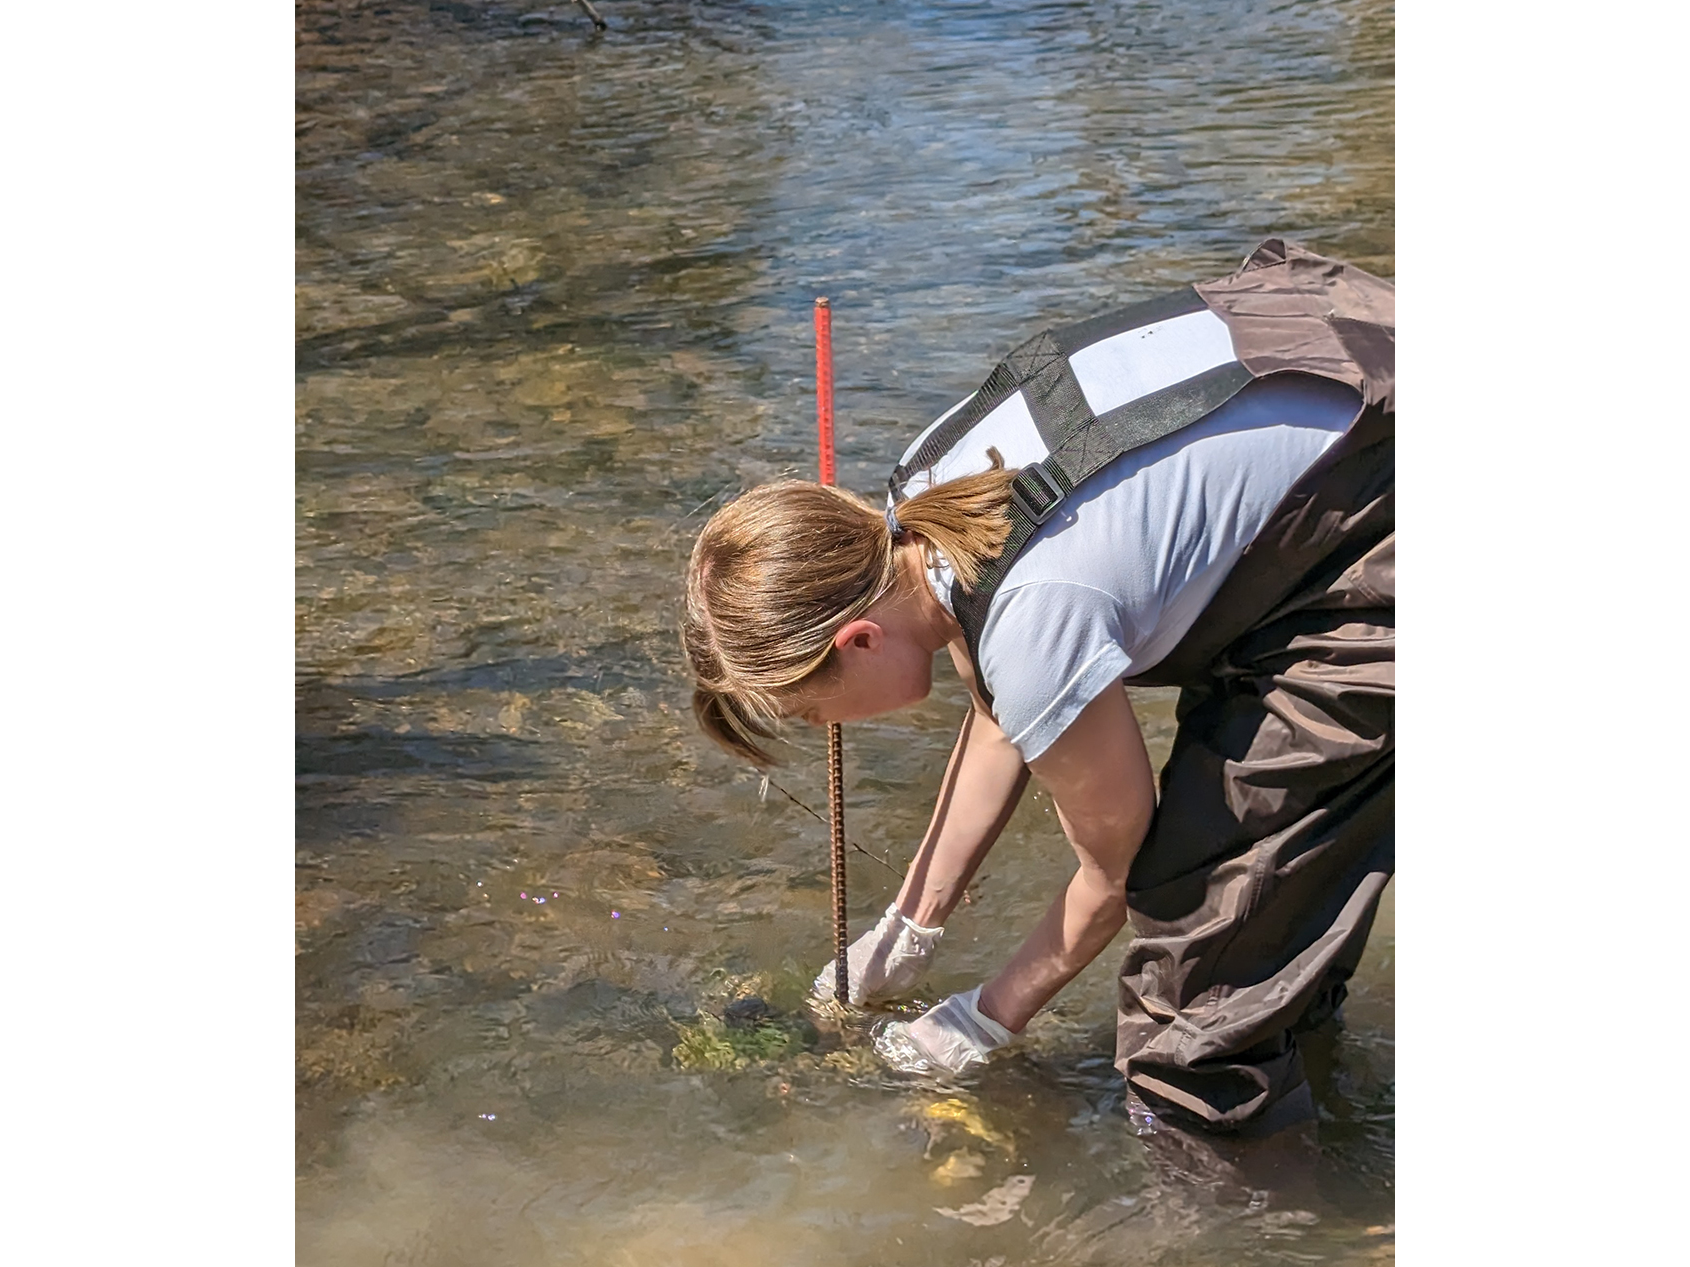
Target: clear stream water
554,294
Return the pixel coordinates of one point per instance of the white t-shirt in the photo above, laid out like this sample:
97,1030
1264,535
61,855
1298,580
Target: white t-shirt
1108,586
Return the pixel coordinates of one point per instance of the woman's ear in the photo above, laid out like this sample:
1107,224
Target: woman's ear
865,635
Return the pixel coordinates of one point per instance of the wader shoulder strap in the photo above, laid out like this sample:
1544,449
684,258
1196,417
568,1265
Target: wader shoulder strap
1285,309
1080,442
1040,368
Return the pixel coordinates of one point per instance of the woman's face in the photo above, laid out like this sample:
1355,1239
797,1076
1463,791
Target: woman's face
877,668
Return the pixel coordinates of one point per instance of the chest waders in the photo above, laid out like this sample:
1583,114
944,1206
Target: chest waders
1255,888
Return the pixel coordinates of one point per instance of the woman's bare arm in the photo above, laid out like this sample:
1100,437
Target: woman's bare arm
983,785
1099,776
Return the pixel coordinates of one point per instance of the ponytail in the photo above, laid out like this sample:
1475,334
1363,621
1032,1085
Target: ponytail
965,520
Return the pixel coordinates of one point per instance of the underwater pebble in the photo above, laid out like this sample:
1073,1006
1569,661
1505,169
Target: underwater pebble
963,1164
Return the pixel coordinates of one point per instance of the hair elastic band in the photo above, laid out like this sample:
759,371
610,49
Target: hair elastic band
892,524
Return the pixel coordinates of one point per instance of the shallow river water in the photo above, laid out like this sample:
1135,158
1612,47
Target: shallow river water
554,294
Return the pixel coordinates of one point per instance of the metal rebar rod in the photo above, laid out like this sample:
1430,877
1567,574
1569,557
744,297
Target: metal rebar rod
836,831
835,738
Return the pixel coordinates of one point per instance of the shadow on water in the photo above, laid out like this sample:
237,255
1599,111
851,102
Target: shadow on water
369,752
553,292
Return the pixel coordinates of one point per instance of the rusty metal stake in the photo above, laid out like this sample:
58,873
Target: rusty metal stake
836,829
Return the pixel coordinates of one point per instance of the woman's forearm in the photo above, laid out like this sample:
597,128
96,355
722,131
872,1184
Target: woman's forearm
983,784
1079,924
1099,776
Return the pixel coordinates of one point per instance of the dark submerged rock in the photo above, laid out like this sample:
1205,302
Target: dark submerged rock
748,1011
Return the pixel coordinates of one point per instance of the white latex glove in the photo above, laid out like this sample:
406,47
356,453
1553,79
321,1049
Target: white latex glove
951,1037
885,961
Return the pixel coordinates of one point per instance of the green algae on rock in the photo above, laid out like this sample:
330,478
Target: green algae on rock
712,1043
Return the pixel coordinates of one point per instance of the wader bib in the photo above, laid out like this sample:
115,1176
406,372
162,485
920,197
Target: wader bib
1253,893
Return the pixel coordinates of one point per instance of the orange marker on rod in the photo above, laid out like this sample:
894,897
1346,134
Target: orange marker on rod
835,739
824,388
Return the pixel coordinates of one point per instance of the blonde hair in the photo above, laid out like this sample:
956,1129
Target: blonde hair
782,568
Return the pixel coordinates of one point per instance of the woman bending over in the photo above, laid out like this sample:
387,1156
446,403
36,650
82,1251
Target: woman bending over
1197,492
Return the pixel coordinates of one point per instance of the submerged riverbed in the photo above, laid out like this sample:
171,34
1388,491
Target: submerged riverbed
554,295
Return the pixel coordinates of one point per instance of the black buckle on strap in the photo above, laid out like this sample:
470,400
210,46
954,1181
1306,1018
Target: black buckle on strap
1036,493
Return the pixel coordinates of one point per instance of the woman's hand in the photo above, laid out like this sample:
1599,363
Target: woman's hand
950,1037
1099,775
884,962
